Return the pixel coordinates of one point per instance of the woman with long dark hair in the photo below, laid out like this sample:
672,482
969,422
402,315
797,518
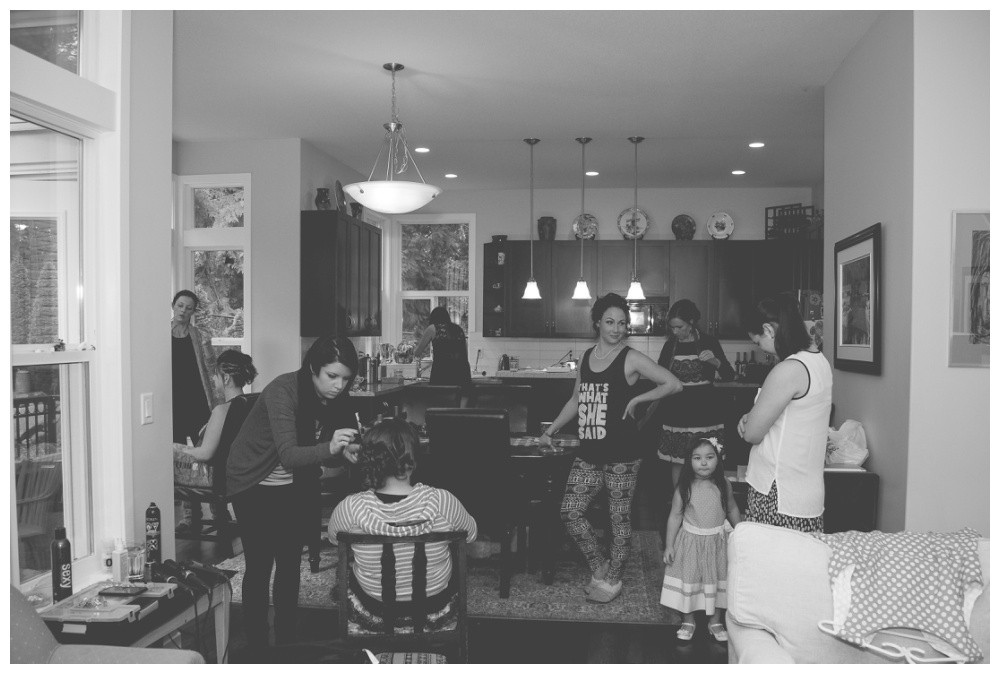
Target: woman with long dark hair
450,349
787,425
604,401
301,420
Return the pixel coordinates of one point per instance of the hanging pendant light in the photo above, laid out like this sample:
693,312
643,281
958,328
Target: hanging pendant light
582,292
390,195
531,290
635,288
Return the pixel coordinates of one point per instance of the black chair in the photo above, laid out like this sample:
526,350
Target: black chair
414,400
403,627
216,529
510,397
469,455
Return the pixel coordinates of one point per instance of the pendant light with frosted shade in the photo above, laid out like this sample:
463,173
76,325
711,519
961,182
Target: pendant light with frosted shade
582,292
390,195
531,290
635,288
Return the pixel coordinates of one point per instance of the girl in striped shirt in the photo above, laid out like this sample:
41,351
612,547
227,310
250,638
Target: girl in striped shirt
394,506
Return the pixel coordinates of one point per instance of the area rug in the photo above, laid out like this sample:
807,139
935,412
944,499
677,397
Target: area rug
530,599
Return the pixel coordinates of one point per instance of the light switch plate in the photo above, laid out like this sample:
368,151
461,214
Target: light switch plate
146,408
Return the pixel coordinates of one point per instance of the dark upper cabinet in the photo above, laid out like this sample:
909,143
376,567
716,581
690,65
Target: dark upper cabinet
690,262
528,318
570,318
616,260
730,287
341,289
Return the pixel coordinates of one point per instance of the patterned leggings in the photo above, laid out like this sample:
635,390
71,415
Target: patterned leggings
584,483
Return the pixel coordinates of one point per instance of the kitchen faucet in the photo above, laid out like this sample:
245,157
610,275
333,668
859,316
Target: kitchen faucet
568,356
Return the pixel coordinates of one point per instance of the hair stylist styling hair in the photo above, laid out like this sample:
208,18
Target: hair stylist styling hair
787,425
302,419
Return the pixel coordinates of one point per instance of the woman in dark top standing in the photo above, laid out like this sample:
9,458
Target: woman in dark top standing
450,349
694,358
302,419
604,403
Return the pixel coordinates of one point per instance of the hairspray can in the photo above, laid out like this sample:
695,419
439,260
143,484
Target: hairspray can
153,533
62,567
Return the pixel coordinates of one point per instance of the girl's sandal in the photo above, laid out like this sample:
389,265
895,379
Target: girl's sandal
718,630
686,632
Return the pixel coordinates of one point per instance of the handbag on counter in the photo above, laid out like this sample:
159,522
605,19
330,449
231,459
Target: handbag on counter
188,471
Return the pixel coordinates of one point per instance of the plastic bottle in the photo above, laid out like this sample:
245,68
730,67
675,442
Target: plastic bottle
62,566
738,366
119,563
108,547
153,533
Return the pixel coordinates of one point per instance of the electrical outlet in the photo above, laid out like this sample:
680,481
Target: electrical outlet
146,408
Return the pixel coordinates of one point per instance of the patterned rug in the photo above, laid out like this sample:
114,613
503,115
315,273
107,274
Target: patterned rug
530,599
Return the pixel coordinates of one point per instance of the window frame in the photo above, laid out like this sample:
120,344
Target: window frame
187,239
392,276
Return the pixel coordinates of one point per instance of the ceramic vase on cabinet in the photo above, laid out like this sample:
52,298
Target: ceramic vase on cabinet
322,198
546,228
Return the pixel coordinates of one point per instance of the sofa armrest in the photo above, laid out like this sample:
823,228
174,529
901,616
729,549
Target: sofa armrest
80,654
751,645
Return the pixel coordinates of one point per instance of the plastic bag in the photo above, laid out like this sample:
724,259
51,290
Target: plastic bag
189,472
847,444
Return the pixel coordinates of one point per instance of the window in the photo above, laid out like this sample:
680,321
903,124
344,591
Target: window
213,255
435,270
51,370
52,35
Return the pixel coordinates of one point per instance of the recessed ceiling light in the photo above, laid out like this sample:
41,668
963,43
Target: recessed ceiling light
424,149
738,172
593,173
756,143
450,175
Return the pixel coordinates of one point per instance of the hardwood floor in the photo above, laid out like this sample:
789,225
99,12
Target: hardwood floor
507,641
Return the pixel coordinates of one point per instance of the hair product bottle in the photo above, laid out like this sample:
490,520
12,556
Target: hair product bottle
62,567
153,533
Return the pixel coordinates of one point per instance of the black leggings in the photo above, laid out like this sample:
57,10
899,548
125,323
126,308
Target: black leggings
271,529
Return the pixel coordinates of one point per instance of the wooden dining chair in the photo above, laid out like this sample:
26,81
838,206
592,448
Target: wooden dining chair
469,455
403,634
511,397
415,399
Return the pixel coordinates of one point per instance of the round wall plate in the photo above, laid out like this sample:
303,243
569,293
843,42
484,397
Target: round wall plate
338,191
633,222
720,225
585,226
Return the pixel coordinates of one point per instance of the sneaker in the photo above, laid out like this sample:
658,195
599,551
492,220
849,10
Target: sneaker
603,592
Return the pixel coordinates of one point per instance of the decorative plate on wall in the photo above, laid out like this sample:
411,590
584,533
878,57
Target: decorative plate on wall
720,225
338,191
633,223
585,226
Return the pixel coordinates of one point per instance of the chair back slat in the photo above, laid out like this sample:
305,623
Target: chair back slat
389,586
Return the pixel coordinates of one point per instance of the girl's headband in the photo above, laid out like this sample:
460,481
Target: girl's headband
715,443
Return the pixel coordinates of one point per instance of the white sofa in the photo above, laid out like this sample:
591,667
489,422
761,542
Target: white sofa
779,589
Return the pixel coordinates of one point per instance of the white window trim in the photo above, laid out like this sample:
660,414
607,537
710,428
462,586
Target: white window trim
188,239
392,281
80,106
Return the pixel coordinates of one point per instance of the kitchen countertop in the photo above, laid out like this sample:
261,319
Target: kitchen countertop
536,374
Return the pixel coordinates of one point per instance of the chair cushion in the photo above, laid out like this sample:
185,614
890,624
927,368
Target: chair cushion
411,659
361,621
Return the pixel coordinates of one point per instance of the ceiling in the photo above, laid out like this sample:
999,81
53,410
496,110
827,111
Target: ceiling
698,85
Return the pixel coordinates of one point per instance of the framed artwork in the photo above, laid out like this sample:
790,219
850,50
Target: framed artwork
969,324
857,315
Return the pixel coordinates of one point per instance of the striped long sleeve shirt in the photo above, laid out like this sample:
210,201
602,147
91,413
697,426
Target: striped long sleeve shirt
424,510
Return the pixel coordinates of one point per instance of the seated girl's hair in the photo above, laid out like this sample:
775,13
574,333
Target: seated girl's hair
687,473
237,365
387,450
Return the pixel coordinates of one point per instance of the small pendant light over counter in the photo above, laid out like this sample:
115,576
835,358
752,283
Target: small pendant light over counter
391,195
635,288
531,289
582,292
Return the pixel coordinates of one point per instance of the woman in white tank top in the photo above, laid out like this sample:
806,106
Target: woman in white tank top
788,423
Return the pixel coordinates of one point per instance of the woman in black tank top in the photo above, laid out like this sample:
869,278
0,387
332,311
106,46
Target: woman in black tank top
604,404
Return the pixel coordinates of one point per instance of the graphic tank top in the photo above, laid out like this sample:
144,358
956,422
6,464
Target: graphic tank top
604,436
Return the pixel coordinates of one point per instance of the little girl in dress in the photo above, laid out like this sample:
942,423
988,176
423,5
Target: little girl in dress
695,554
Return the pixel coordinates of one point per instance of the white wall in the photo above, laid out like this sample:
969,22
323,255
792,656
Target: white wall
506,212
949,407
275,168
869,178
321,170
147,126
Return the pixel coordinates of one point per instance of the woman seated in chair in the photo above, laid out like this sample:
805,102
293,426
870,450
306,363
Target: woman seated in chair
394,506
233,371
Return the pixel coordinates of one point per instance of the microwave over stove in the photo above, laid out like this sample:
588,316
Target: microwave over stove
648,317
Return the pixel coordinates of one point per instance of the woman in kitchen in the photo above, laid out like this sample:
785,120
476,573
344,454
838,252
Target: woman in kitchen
302,419
694,357
787,425
604,403
449,347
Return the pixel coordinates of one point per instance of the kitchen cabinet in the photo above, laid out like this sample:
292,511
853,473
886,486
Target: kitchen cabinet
557,269
617,258
340,275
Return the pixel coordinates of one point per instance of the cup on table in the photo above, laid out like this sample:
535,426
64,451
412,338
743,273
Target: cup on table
545,425
136,562
741,473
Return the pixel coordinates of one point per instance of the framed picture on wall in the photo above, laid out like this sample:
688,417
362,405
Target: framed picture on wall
857,315
969,316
